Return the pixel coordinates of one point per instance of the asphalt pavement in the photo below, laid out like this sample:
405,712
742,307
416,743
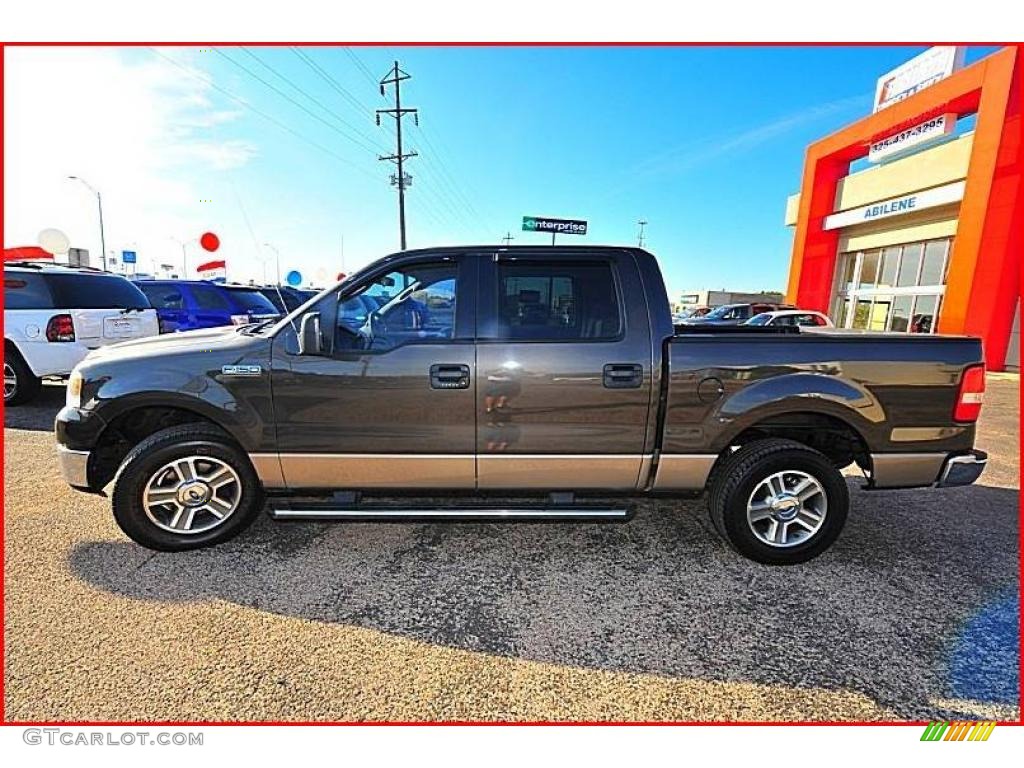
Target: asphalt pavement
913,614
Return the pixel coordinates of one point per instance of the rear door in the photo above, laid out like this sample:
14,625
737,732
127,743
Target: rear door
564,360
104,309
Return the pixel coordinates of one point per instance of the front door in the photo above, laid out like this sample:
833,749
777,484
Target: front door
564,383
392,404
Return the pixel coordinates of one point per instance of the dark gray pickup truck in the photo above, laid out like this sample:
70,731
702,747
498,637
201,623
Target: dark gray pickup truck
518,384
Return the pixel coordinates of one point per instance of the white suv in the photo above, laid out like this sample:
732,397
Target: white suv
54,315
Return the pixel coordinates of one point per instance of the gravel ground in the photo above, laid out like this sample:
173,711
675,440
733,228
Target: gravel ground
913,614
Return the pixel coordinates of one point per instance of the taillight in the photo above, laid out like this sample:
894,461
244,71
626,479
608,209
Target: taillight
971,395
60,328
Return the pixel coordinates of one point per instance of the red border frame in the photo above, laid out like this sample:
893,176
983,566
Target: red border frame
4,722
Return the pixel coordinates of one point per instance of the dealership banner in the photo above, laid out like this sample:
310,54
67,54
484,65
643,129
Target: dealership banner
214,271
935,64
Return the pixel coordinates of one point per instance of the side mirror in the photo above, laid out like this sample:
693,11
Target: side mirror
310,341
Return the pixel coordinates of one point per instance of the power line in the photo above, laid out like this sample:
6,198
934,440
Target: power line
269,118
394,78
341,90
367,73
319,103
298,104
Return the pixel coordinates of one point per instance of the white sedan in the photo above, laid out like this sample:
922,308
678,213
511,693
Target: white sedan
801,317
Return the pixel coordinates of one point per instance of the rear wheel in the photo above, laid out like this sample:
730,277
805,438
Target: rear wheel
185,487
778,501
20,384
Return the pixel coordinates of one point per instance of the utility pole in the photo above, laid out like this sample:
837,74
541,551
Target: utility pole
640,237
395,77
507,239
99,205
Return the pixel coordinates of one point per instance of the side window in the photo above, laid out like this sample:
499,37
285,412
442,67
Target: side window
413,304
163,296
210,298
25,290
557,301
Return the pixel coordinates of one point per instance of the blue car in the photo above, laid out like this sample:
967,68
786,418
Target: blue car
185,305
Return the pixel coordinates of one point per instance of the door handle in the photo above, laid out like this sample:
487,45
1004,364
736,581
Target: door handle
623,376
444,376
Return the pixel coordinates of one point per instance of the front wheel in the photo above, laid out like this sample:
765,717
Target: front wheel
778,501
184,488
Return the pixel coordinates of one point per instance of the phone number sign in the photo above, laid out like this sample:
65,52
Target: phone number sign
930,130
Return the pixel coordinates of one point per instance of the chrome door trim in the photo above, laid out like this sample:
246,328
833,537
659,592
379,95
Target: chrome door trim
514,471
683,471
905,470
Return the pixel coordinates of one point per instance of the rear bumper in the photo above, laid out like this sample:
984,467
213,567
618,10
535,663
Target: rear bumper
963,469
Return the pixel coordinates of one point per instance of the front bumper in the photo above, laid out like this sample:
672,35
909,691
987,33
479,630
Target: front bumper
74,466
963,469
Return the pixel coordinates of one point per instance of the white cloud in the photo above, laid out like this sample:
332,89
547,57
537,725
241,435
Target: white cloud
136,127
689,155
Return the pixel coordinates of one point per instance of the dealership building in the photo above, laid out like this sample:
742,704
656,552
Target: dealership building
928,239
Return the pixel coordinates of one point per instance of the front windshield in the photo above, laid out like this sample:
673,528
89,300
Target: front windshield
762,319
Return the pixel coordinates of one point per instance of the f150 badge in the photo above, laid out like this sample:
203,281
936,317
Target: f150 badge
241,370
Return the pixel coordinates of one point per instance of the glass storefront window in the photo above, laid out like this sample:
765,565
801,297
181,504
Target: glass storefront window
925,310
910,265
896,288
890,262
868,269
880,313
933,264
901,306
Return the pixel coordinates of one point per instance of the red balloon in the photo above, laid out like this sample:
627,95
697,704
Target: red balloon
209,241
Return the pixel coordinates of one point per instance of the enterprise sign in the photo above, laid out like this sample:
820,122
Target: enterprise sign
930,198
554,226
937,63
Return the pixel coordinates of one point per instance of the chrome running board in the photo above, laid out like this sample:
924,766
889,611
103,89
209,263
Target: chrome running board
327,512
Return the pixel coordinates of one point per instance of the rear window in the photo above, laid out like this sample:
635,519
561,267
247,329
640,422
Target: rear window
26,290
94,291
252,300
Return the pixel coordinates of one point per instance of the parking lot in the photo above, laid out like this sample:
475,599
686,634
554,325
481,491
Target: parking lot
912,614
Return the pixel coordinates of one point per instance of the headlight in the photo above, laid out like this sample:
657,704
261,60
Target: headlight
74,396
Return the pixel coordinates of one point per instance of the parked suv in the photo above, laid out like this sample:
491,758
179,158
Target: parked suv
286,298
185,305
53,316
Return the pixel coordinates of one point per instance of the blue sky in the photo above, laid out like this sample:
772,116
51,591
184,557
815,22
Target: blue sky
705,143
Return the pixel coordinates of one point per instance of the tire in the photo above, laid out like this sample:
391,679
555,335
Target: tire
25,384
158,469
755,506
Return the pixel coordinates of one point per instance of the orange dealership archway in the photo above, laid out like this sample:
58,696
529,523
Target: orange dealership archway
984,279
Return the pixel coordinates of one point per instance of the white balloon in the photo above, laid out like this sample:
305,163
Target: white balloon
54,241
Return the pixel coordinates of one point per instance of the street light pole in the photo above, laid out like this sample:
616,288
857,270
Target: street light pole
99,205
277,253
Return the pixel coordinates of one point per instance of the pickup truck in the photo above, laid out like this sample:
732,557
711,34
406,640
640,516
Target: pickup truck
516,383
